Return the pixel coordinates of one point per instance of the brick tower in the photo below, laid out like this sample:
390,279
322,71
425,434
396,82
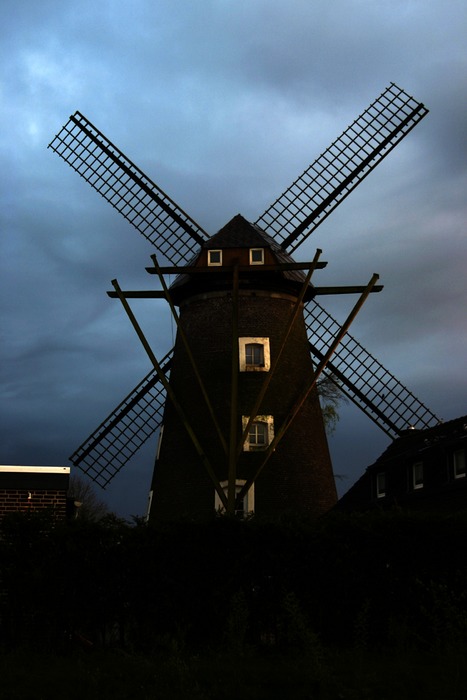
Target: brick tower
249,333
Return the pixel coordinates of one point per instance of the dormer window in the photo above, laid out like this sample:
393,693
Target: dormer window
214,257
256,256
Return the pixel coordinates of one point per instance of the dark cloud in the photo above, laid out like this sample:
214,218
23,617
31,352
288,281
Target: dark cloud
223,104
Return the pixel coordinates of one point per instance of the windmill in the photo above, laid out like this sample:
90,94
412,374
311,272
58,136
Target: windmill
235,401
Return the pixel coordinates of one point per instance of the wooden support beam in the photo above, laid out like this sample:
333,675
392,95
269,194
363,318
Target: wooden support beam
268,377
309,387
171,395
195,270
192,360
232,471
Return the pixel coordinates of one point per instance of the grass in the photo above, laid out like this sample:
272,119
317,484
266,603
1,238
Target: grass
115,675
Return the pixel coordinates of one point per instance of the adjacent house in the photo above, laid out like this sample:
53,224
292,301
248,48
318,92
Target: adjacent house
420,470
32,489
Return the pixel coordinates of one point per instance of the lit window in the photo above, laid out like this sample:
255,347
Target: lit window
459,464
260,433
214,257
256,256
381,485
258,436
417,475
246,507
254,354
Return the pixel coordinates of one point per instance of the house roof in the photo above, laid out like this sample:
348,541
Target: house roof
431,446
413,441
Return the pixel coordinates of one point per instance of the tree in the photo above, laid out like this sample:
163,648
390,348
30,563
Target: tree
87,503
330,395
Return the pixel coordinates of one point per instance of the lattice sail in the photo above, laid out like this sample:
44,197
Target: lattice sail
128,189
125,430
337,171
364,380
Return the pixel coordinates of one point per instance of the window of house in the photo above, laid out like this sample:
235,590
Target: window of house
381,485
246,507
214,257
417,475
254,354
459,464
260,433
256,256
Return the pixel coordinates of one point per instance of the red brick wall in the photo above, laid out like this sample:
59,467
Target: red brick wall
298,477
21,500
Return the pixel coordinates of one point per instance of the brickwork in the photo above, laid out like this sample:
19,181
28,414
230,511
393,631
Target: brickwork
32,489
15,500
298,476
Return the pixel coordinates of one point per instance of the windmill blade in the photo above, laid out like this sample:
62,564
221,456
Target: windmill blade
364,380
128,189
125,430
337,171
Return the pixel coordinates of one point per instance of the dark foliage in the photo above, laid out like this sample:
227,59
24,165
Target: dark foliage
374,581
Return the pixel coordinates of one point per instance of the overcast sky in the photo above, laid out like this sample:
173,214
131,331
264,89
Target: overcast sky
222,103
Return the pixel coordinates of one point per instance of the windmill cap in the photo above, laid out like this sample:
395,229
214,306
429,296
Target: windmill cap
237,236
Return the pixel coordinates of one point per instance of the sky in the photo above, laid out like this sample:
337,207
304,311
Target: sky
223,103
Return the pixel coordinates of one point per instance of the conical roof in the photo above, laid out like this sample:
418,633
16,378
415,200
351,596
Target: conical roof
236,235
240,233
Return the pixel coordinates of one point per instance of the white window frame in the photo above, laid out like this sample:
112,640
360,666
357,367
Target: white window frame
417,475
458,459
268,421
256,262
244,367
148,511
248,498
210,262
380,484
159,442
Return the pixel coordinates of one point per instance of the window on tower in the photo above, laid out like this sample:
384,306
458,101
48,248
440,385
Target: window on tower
214,257
254,354
247,505
260,433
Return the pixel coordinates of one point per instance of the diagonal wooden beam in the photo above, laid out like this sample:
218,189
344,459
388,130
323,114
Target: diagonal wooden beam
190,354
268,378
171,395
309,387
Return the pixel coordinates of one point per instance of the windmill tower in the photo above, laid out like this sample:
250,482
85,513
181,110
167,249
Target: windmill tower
241,428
